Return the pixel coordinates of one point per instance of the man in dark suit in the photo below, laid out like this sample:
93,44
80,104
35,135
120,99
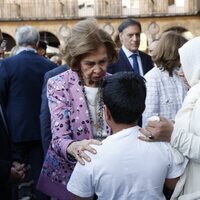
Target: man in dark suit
130,58
10,172
45,118
21,80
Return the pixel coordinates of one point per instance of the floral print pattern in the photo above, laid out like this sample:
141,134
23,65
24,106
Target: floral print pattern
69,121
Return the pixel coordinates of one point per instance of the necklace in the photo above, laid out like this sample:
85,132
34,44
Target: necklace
92,96
99,124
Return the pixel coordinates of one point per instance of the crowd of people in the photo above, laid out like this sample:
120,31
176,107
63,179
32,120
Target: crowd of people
74,131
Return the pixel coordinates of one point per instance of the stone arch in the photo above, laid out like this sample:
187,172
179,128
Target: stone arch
50,38
10,41
181,30
178,29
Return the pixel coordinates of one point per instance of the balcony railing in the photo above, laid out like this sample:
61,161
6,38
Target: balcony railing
55,9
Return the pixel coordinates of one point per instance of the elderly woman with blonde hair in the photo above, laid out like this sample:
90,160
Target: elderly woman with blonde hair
76,106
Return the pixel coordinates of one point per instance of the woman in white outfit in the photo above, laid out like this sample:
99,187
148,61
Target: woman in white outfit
186,134
186,131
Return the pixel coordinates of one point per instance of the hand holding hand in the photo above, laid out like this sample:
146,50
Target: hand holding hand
17,172
157,130
77,149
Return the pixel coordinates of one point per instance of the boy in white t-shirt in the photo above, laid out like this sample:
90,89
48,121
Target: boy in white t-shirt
125,168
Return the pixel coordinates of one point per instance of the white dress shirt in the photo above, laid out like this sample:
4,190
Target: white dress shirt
128,55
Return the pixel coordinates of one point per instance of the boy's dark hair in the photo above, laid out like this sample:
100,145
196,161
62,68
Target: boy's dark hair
129,22
124,95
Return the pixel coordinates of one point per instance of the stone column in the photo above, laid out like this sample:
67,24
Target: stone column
71,8
108,7
192,6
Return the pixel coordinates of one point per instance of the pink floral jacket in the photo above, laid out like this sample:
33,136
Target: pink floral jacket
69,121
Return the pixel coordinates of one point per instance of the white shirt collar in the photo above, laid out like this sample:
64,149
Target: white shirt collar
26,49
125,132
127,52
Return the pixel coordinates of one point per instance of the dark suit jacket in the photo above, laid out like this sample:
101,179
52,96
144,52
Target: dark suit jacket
5,161
45,118
21,80
123,63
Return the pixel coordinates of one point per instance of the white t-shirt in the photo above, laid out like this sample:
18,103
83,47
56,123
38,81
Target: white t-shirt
126,168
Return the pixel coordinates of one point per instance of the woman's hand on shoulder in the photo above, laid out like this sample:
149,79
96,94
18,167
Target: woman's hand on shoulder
77,149
157,130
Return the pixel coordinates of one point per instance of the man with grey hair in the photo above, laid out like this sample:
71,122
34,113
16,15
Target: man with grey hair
21,80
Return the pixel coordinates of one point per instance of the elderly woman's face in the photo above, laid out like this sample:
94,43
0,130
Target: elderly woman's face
94,66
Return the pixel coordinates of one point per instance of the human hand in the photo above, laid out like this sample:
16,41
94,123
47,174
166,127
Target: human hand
77,149
17,172
157,130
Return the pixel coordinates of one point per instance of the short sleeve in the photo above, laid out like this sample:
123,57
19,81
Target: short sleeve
175,169
81,183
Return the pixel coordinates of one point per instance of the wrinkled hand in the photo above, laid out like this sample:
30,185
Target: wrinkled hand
77,149
17,172
157,130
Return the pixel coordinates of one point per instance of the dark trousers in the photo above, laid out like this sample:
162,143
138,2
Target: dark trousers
31,154
5,191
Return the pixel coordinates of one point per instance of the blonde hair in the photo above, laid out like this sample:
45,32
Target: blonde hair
84,37
166,55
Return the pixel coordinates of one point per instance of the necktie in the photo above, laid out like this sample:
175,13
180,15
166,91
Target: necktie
135,63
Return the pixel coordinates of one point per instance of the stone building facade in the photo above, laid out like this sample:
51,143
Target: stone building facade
54,18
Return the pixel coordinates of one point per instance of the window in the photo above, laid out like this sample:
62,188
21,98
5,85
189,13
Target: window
130,7
171,2
86,7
